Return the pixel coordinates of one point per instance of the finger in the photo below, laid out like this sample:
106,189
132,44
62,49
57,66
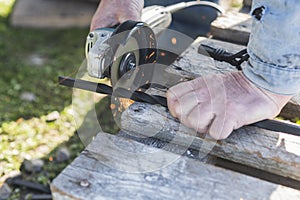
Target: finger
172,101
221,128
200,118
134,16
181,89
218,129
97,24
173,96
186,103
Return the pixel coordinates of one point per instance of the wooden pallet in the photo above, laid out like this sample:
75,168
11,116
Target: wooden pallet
155,157
100,172
276,153
233,27
247,3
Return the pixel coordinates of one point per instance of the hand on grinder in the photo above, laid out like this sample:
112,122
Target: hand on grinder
113,12
219,104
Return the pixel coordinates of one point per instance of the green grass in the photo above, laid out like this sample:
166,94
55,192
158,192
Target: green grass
236,4
62,52
5,7
30,62
24,130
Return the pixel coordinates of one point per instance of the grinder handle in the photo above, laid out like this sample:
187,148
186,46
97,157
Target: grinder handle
157,17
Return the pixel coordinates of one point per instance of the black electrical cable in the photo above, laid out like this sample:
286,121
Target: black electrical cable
223,56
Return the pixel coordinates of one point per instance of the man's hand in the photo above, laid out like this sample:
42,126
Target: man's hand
219,104
112,12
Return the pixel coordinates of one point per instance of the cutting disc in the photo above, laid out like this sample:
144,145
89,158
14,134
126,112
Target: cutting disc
133,44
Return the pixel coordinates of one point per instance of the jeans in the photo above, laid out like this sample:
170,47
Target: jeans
274,46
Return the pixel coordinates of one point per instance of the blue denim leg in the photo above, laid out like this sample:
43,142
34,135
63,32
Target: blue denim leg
274,46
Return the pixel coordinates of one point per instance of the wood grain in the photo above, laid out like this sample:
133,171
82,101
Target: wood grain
247,2
52,14
233,27
114,167
273,152
95,174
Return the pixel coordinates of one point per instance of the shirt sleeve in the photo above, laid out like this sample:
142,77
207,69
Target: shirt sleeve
274,46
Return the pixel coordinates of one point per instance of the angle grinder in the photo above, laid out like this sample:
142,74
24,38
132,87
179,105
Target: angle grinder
113,52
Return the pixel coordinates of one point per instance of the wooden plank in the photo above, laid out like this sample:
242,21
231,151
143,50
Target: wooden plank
233,27
52,13
247,3
292,109
96,174
273,152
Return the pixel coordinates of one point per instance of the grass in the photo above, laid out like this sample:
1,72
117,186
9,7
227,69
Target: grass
30,62
23,126
238,4
5,7
61,52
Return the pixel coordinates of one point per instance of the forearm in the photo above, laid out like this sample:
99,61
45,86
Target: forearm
274,47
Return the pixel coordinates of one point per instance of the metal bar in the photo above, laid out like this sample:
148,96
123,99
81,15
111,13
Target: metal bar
85,85
269,124
279,126
119,92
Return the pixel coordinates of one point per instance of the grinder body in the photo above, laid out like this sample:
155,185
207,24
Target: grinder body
98,48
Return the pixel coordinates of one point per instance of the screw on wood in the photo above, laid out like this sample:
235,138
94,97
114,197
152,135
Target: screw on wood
84,183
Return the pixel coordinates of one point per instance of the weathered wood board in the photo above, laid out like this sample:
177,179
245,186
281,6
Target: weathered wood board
102,172
247,2
232,27
292,109
273,152
116,168
52,13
